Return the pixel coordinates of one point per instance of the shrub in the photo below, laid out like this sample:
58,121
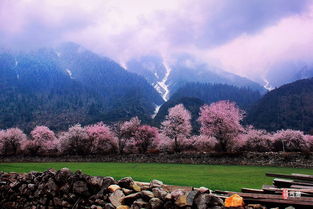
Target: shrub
11,141
290,141
102,138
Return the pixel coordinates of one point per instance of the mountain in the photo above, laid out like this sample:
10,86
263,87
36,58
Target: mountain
194,95
67,85
289,106
124,94
288,72
167,77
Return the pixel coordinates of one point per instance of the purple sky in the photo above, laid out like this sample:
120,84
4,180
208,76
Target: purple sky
247,37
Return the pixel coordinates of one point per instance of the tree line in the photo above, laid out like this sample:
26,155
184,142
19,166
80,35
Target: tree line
220,131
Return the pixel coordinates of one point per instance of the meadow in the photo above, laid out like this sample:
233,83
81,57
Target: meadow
222,177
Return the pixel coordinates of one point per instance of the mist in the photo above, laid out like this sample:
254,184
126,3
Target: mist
248,38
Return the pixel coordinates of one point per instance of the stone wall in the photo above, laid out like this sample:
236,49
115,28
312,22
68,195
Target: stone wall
65,189
303,160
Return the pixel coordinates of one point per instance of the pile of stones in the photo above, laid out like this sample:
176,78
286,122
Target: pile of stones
66,189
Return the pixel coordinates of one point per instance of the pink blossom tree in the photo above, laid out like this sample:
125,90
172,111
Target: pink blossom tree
177,125
203,143
258,140
164,143
75,141
43,141
309,141
222,121
11,141
145,137
103,139
290,141
126,134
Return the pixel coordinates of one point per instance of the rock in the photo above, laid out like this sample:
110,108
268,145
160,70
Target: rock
181,201
204,190
114,187
66,204
156,183
31,186
176,193
57,201
190,197
62,175
96,207
147,194
159,193
106,182
140,203
127,191
202,201
155,203
95,181
136,187
123,207
109,206
116,198
129,199
126,182
80,187
255,206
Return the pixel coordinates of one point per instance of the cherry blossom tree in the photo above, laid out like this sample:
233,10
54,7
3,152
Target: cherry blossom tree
177,125
203,143
258,140
222,121
103,139
11,141
43,141
145,136
290,141
309,141
75,141
126,133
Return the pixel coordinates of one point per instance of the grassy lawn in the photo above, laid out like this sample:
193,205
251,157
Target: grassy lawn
224,177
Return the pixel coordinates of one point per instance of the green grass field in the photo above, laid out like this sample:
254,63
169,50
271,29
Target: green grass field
224,177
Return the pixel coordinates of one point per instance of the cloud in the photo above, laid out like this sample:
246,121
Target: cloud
219,31
289,40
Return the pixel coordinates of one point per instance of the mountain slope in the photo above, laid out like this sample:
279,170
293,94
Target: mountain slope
68,85
290,106
169,77
34,92
194,95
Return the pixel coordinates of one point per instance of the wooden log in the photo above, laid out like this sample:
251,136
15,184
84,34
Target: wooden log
271,196
301,177
248,190
277,201
286,183
301,187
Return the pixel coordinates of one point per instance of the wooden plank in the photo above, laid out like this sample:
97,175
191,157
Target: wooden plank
276,201
271,196
285,183
248,190
293,176
301,187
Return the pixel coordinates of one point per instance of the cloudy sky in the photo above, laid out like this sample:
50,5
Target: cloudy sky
247,37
